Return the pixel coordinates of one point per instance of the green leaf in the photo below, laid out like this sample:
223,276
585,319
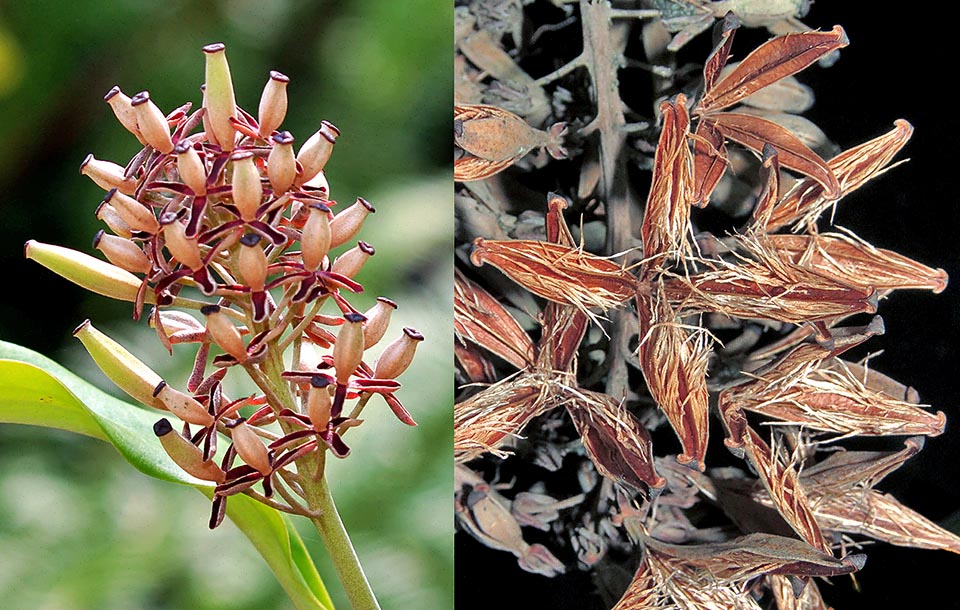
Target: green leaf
36,391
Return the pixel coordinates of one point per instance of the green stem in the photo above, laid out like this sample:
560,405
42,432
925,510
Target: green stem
339,547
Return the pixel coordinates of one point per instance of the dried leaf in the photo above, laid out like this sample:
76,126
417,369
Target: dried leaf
615,440
755,132
674,364
558,273
786,598
475,365
482,320
843,471
643,592
770,62
721,50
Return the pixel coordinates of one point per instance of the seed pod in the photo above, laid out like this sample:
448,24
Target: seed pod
398,355
153,124
250,447
346,224
253,262
205,118
134,213
123,110
219,101
191,168
273,104
319,402
86,271
122,253
186,455
107,175
109,215
316,151
281,163
350,262
348,351
183,248
182,405
124,369
247,190
223,332
315,237
378,319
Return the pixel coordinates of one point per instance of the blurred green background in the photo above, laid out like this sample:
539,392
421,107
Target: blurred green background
81,529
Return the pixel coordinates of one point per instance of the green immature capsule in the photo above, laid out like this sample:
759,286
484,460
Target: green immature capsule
319,402
223,332
346,224
152,123
350,262
124,369
122,253
348,350
398,355
107,175
219,100
250,448
273,104
124,111
281,163
253,262
182,405
191,168
315,237
316,151
186,455
86,271
247,190
137,216
378,319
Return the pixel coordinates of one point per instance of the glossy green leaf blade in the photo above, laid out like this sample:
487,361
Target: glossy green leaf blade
35,390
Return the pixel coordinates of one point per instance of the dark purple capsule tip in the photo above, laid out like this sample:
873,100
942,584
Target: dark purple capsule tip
319,206
243,154
387,301
235,423
162,427
113,91
97,238
412,333
109,196
250,239
331,126
215,47
319,381
181,148
284,137
208,310
86,160
279,76
168,217
366,248
366,204
83,324
159,388
141,98
355,317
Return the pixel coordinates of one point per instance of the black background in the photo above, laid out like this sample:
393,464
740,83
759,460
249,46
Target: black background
901,63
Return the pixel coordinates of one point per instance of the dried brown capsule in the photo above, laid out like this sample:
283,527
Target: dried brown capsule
315,238
122,253
187,455
250,447
191,168
107,175
350,262
319,402
224,333
378,319
348,351
123,110
316,151
346,224
152,122
281,163
182,405
247,190
137,216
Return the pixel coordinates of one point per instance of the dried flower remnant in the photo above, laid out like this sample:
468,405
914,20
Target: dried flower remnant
232,217
647,326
